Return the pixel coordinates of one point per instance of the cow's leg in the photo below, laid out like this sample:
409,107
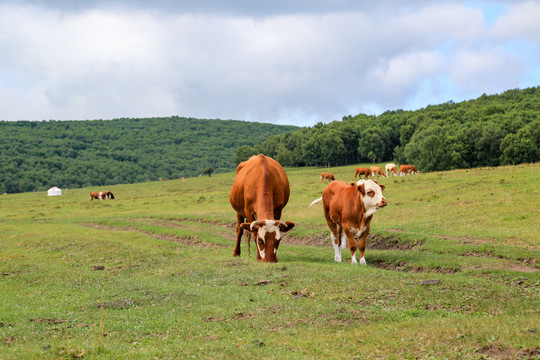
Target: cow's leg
239,233
337,248
362,246
335,235
353,244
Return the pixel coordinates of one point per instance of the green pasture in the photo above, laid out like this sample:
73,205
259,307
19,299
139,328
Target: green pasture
453,273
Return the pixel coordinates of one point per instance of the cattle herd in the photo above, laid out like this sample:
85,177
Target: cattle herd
261,190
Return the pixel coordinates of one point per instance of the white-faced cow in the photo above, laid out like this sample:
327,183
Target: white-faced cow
348,209
390,168
259,193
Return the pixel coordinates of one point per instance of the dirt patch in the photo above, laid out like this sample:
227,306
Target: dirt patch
374,242
183,240
9,341
406,267
498,352
230,234
390,242
510,266
118,304
313,240
48,321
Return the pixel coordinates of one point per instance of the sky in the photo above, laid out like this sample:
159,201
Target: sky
294,62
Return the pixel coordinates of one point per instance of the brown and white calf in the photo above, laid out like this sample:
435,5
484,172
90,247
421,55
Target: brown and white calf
348,209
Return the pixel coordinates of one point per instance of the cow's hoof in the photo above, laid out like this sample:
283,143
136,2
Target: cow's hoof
363,262
337,259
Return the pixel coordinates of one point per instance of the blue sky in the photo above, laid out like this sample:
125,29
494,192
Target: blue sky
284,61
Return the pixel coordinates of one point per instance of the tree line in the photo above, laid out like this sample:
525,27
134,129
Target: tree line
488,131
35,155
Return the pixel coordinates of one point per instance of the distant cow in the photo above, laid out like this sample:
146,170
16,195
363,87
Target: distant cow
390,168
101,195
348,209
327,176
359,171
259,193
376,170
406,169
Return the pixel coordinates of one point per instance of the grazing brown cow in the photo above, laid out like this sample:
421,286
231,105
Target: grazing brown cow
376,170
327,176
390,168
348,209
101,195
406,169
259,193
359,171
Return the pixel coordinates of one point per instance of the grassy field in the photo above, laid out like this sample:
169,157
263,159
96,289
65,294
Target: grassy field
453,273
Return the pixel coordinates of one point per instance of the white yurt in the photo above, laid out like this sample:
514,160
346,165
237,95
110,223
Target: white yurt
54,191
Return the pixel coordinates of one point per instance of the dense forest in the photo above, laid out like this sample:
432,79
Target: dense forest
488,131
35,155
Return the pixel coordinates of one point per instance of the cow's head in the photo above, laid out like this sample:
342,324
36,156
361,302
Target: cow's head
372,195
269,234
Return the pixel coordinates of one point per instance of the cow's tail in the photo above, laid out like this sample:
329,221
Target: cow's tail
316,201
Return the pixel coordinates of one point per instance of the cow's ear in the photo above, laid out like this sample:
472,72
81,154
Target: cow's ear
289,226
362,189
382,187
246,226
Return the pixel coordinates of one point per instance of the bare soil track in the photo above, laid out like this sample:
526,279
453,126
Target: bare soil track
390,241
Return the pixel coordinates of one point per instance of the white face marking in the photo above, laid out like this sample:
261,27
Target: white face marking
270,226
370,202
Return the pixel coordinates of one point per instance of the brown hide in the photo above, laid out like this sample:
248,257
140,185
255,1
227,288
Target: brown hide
359,171
327,176
344,211
407,169
376,170
260,192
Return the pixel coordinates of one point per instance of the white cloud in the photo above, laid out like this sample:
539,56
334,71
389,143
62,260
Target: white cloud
286,66
522,20
485,70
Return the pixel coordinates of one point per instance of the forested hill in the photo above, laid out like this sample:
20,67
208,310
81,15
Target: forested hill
489,131
35,155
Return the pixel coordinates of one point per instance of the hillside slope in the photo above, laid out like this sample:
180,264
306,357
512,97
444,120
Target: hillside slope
36,155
